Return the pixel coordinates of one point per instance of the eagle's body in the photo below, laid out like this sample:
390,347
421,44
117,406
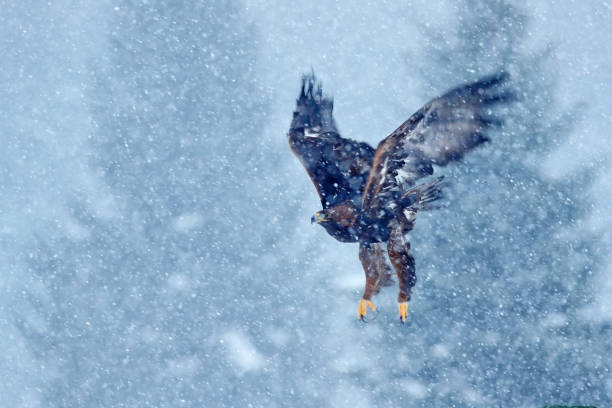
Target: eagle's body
370,195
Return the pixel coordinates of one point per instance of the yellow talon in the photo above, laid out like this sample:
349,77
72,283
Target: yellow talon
403,311
363,308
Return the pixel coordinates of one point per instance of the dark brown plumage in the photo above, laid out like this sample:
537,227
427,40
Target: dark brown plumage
370,195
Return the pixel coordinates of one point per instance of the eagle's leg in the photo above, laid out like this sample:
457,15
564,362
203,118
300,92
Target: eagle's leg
370,256
403,262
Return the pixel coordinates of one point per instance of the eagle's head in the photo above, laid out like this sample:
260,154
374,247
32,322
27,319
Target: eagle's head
343,214
338,220
319,217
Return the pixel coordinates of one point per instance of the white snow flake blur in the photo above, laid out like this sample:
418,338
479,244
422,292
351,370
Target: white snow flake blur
155,240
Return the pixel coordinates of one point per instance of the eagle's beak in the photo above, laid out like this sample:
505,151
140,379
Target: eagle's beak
318,217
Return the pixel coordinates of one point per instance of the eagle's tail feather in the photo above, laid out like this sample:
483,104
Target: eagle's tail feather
386,279
420,197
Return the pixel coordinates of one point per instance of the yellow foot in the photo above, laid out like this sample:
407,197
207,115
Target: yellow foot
403,310
363,308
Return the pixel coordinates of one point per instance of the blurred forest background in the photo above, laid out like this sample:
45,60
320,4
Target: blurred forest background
155,237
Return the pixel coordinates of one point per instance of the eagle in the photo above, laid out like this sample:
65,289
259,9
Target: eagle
371,196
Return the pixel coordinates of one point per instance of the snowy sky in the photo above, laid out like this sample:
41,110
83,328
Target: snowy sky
153,312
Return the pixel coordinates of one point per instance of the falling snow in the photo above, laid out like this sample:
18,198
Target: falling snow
155,240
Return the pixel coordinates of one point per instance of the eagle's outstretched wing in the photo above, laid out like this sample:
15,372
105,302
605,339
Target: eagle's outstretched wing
443,130
338,167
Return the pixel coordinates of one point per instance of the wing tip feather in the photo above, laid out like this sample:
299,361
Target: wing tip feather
313,108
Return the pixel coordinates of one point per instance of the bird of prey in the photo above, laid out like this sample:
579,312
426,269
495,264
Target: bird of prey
371,196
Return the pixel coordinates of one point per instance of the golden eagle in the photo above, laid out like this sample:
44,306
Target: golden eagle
370,195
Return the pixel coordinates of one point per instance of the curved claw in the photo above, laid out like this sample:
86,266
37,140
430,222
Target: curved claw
403,311
363,308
